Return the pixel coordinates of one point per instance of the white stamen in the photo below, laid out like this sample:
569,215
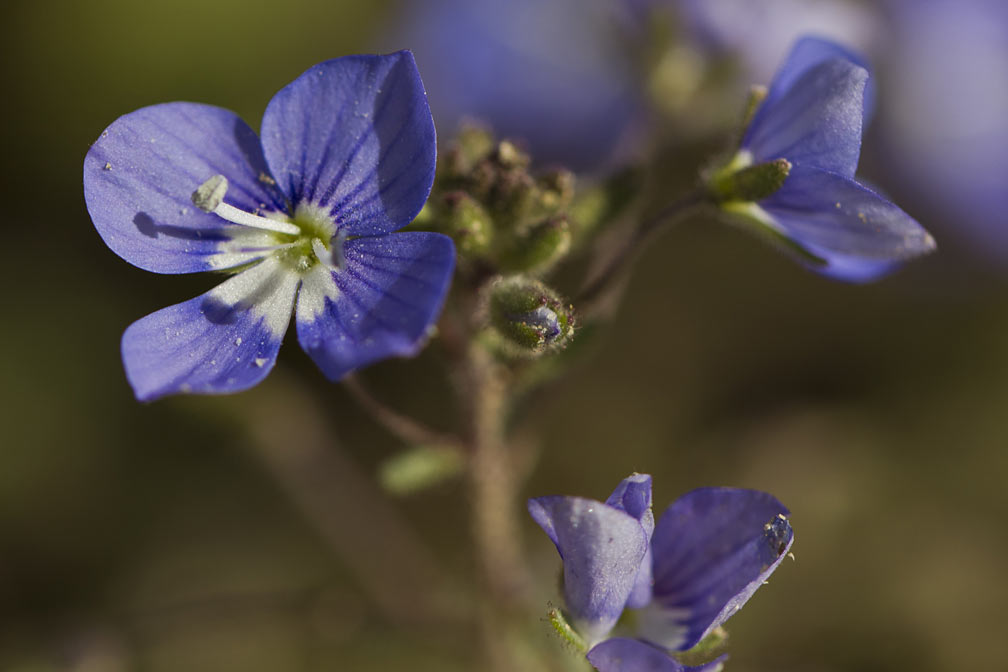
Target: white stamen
321,253
209,197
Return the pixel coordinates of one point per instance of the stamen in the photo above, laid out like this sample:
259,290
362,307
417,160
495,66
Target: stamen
209,197
322,254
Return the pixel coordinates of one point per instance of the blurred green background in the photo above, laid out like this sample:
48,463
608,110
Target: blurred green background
170,536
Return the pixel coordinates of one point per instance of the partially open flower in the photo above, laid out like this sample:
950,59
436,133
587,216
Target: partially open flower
807,132
709,552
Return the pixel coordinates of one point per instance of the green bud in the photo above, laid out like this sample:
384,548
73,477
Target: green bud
468,223
740,181
509,156
528,315
420,468
540,248
557,189
473,144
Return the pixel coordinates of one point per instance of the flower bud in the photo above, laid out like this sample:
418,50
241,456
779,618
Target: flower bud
529,315
468,223
540,248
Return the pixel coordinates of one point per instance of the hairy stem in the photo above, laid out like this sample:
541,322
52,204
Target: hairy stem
404,428
614,266
494,484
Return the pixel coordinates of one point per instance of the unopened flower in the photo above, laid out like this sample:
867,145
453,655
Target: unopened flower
304,219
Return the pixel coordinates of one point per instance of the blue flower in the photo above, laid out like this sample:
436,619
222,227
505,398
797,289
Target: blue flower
709,552
552,75
812,118
304,219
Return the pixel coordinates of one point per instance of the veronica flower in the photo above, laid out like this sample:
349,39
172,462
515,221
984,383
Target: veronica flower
553,75
799,155
303,219
709,552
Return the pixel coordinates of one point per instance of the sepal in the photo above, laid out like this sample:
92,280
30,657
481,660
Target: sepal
741,182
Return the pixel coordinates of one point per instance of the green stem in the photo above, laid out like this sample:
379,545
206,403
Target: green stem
613,268
494,484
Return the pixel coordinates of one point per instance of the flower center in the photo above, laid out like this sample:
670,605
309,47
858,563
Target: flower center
302,241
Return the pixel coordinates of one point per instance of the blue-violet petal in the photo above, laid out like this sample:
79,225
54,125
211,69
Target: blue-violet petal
380,303
815,123
354,136
602,548
140,174
223,341
621,654
807,53
859,234
713,547
633,495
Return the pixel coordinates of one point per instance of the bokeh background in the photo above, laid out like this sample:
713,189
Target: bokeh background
249,532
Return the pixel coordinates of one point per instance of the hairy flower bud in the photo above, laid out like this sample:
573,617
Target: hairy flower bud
528,315
539,249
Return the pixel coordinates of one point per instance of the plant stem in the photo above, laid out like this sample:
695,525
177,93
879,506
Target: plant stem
406,429
494,484
616,263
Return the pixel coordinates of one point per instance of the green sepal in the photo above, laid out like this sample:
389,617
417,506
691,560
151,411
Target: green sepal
757,94
420,468
748,183
752,217
566,631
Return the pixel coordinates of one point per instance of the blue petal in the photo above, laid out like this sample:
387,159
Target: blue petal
140,174
355,135
630,655
223,341
633,495
381,304
816,122
857,233
602,548
713,547
807,53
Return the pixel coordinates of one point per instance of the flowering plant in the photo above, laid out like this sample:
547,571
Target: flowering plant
342,214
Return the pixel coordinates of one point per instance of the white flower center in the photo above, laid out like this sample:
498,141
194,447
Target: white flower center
301,242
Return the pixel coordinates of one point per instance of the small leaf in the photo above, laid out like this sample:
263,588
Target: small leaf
419,468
